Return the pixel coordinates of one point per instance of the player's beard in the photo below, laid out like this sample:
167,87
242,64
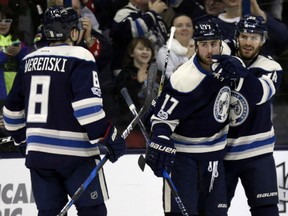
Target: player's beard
205,62
248,55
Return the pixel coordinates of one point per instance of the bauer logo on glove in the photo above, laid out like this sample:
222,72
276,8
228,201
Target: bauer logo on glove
163,148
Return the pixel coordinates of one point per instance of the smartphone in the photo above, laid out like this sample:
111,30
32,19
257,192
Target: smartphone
16,43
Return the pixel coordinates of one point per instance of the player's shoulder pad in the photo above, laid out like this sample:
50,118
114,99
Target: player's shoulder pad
267,64
187,77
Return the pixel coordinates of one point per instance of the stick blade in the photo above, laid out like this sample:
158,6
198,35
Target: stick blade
141,162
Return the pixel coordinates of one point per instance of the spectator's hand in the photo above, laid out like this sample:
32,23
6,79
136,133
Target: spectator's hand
85,33
13,50
158,6
256,10
229,67
115,144
160,155
191,49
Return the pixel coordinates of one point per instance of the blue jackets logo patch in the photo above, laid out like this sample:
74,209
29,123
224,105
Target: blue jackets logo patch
221,105
239,109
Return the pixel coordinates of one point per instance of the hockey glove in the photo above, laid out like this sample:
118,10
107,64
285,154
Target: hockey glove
232,67
115,144
160,155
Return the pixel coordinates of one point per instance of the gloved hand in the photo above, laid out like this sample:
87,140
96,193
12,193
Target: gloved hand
115,144
229,67
160,155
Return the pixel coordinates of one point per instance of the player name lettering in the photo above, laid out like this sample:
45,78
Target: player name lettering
45,63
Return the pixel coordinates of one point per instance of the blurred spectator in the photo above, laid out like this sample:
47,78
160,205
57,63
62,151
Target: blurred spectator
214,7
91,39
30,13
199,10
285,14
273,7
138,18
133,75
12,50
277,31
106,10
182,46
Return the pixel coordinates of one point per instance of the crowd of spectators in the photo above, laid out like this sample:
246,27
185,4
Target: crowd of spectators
109,27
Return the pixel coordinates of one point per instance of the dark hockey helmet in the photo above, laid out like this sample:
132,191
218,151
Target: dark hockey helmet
252,24
206,30
59,21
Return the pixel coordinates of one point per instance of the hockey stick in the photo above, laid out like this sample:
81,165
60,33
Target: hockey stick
141,160
166,176
172,32
125,133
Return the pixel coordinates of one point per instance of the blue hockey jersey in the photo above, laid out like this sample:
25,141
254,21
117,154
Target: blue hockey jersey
251,130
193,109
56,106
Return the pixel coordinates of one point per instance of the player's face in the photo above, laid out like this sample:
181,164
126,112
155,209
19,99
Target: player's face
141,54
205,50
249,45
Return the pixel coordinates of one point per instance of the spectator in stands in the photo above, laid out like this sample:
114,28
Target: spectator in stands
136,19
30,15
277,31
133,75
105,11
91,39
12,50
182,45
199,10
214,7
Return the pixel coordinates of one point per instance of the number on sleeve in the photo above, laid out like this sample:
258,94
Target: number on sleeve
171,100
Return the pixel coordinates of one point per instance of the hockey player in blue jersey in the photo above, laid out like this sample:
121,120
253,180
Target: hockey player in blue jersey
251,136
55,106
189,126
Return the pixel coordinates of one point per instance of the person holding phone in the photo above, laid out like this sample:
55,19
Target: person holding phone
12,50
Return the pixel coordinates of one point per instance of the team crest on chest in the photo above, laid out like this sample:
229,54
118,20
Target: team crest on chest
239,109
221,105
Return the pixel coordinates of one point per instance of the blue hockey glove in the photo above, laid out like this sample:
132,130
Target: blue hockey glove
160,155
115,144
229,67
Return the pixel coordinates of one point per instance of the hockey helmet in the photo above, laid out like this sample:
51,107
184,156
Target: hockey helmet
252,24
59,21
206,30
